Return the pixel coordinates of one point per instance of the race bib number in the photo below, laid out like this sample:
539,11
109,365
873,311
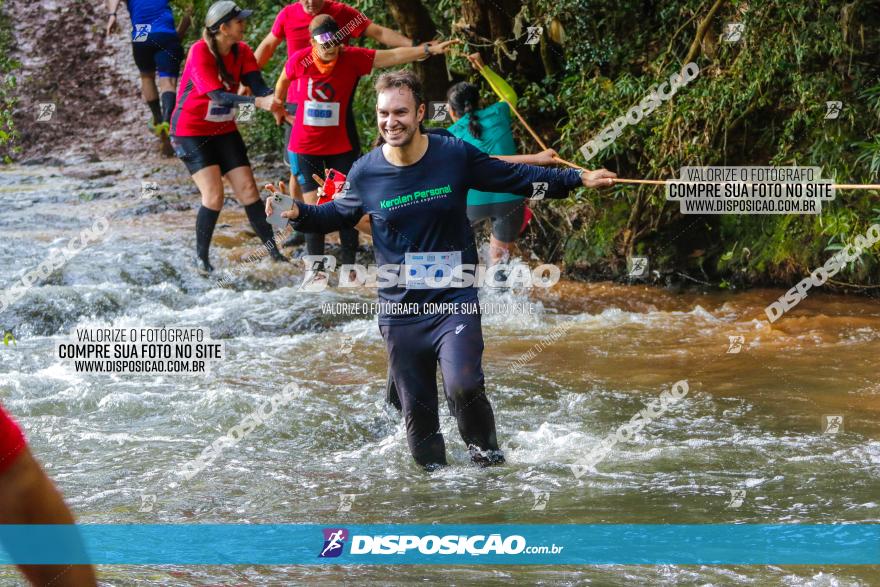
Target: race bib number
430,270
220,113
321,113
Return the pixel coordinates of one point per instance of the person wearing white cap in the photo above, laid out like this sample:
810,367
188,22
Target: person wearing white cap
203,130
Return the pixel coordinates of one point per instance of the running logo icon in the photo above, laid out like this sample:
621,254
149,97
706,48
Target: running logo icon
140,33
245,112
833,108
346,500
149,189
148,501
45,110
533,35
736,498
832,424
439,112
733,32
347,344
638,266
459,328
334,541
539,190
541,499
736,344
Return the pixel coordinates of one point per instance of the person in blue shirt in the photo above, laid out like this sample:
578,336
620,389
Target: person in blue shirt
155,44
414,191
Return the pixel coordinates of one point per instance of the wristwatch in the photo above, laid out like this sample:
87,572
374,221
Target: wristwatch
427,50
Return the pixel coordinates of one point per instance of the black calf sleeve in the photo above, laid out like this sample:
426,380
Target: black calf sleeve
256,213
168,100
156,110
206,220
349,239
314,243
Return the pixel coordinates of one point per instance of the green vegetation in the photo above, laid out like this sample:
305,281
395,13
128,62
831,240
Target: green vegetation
7,88
759,101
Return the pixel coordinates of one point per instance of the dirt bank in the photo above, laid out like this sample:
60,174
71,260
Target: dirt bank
93,84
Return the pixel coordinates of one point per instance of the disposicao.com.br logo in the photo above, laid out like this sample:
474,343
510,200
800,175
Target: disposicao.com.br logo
450,544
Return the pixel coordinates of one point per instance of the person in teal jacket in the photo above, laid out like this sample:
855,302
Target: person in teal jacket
489,129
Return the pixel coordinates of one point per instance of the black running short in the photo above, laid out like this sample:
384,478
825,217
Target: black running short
507,218
309,164
159,52
227,150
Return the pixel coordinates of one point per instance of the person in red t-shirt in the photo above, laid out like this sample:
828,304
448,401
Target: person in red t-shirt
203,130
292,26
28,496
326,75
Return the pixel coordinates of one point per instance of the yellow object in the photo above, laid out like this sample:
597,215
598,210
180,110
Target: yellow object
499,86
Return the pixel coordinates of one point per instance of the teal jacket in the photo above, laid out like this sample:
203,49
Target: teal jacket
497,139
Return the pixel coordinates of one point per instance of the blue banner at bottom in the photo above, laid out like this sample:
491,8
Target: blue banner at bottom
493,544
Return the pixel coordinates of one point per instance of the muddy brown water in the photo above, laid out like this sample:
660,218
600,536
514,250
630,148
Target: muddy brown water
752,420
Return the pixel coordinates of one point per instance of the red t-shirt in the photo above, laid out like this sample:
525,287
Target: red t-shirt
11,440
194,115
292,24
323,100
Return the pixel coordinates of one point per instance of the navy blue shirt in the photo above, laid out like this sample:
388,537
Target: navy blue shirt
422,208
155,13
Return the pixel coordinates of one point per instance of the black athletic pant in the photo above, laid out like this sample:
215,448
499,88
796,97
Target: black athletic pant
456,342
310,164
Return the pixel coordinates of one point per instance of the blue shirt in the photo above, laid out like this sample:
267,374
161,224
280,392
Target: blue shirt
155,13
422,208
496,139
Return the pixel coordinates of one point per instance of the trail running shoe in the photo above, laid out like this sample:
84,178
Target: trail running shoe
202,266
485,458
163,132
277,256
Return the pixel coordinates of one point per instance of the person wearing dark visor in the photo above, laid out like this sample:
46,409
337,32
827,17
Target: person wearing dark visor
291,26
326,75
203,130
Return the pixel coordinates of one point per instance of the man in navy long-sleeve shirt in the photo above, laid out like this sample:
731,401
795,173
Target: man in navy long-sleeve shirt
414,190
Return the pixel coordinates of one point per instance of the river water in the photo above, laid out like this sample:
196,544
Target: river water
752,421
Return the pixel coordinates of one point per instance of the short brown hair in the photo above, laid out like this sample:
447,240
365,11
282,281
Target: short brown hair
323,20
403,78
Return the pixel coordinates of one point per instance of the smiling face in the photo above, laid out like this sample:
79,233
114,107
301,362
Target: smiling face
326,52
234,29
398,116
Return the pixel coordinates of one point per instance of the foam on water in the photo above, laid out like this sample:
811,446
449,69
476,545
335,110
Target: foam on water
109,439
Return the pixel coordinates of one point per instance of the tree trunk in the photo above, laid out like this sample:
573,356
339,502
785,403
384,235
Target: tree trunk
414,21
488,21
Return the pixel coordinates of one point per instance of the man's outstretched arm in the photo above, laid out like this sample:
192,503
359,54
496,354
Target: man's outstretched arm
492,175
28,496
